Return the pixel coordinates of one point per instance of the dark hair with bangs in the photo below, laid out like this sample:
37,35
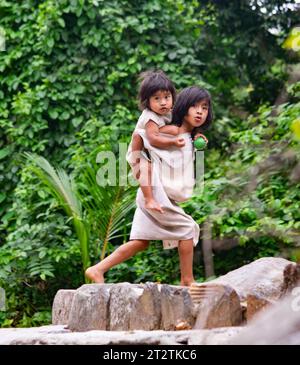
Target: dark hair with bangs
151,82
188,97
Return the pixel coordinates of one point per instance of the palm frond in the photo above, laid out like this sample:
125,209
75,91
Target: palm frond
63,188
107,206
104,207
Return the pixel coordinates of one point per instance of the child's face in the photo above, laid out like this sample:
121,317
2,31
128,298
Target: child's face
197,114
161,102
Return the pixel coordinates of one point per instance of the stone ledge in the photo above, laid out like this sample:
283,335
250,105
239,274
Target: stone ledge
147,307
227,301
59,335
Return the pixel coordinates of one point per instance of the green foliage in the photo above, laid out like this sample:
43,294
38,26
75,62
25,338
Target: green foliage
251,194
106,207
64,190
37,260
67,64
153,264
242,41
68,84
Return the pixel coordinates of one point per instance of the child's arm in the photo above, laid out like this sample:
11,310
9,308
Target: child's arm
170,129
157,140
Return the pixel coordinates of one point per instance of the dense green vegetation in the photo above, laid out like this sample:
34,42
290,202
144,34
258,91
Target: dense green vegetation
68,90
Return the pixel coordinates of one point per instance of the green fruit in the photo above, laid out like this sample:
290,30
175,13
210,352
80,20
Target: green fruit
200,143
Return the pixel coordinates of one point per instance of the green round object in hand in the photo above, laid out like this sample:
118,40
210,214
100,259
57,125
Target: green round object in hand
200,143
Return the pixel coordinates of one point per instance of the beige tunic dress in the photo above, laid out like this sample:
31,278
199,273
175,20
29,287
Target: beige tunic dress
144,118
172,181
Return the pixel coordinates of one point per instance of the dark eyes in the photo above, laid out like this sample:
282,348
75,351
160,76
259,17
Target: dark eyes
203,106
166,97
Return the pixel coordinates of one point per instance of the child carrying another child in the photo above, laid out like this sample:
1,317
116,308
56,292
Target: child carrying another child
156,98
174,227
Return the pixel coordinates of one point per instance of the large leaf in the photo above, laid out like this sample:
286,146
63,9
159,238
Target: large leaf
63,188
106,206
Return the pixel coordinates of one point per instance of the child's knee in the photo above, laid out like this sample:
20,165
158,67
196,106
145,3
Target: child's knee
186,246
136,136
137,141
144,245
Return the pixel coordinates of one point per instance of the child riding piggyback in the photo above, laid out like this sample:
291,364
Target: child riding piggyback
157,95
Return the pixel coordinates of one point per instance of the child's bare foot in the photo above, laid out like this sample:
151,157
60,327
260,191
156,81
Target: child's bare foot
94,274
152,204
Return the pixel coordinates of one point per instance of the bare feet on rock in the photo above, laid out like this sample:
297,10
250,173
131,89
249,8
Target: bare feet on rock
94,274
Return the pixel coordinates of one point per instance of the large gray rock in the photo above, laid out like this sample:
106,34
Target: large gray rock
291,277
122,307
62,306
89,309
177,307
217,305
279,324
256,304
134,307
263,277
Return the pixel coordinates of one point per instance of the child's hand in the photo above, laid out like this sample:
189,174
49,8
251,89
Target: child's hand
200,135
179,142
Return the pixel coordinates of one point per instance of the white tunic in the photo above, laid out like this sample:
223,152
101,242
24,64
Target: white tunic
173,181
144,118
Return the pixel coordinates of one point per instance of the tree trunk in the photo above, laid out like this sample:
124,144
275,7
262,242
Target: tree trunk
207,250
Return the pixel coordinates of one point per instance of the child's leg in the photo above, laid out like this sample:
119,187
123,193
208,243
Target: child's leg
186,253
122,253
145,184
143,173
137,144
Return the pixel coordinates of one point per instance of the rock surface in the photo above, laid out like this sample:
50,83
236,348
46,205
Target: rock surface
217,305
226,301
263,277
279,324
291,277
256,304
134,307
176,307
62,305
115,314
89,310
58,335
